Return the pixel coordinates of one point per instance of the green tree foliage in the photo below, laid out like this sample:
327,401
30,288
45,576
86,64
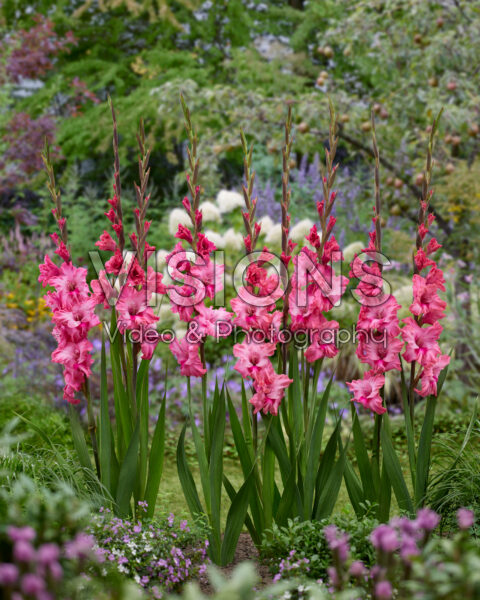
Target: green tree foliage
240,62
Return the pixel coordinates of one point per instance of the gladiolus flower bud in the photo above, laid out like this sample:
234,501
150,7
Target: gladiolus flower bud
186,205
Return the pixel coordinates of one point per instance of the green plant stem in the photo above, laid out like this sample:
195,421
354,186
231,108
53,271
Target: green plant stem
135,350
92,427
376,449
254,430
411,394
123,361
306,384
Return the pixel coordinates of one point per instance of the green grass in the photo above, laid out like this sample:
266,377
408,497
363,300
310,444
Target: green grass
16,400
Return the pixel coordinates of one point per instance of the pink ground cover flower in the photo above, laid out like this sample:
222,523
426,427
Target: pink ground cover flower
465,518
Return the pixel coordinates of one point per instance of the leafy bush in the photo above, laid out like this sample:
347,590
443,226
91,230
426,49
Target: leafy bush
157,555
307,540
433,568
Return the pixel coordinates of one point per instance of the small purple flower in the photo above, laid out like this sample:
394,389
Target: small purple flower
427,519
385,538
465,518
376,571
32,584
48,553
383,590
405,525
23,551
337,541
409,548
332,573
184,525
80,547
56,570
8,574
357,569
24,534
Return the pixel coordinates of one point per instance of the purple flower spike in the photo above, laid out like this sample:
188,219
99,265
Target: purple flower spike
337,541
385,538
32,584
465,518
23,552
8,574
357,569
48,553
383,590
24,534
427,519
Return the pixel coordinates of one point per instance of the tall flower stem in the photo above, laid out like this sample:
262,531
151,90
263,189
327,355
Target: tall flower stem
116,184
378,247
422,220
92,427
192,209
286,247
135,351
252,230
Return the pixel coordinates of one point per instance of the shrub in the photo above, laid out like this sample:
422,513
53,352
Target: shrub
157,555
307,540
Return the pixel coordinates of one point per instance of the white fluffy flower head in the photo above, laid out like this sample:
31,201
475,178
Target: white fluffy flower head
216,238
210,212
266,223
274,236
233,239
352,249
177,217
300,230
229,200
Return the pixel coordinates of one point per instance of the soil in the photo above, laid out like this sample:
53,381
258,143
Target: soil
246,550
